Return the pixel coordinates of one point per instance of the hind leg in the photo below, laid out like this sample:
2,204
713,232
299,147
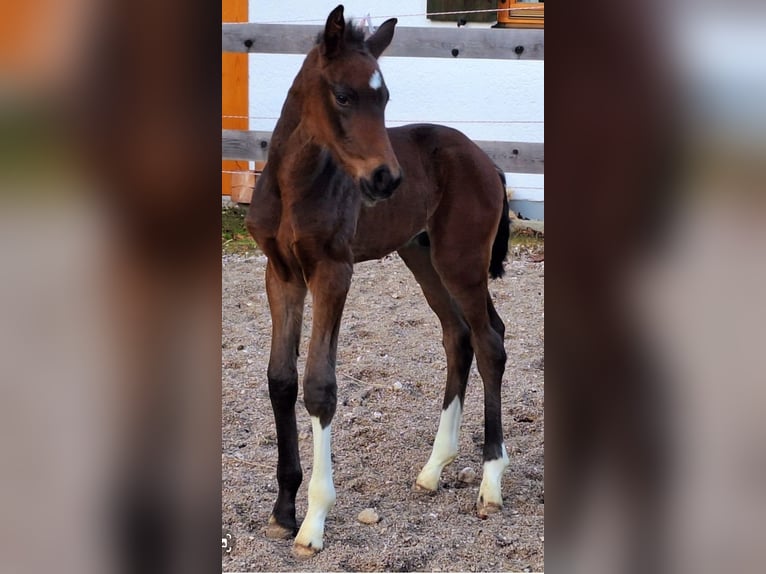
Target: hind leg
490,359
490,494
464,273
456,338
494,318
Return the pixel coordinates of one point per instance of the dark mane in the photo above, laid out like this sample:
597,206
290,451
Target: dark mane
353,36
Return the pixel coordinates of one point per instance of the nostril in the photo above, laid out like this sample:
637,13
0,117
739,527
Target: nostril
381,177
383,182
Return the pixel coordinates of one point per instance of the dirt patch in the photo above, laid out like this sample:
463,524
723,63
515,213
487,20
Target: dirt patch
391,373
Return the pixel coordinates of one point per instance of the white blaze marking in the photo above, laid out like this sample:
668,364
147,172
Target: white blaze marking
445,446
321,489
490,491
376,80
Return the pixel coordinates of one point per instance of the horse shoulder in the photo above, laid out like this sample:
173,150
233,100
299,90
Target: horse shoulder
264,217
265,211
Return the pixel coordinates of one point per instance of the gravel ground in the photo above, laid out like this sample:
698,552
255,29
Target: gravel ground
391,373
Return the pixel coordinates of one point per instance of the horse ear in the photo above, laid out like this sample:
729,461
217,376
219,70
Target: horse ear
334,31
380,40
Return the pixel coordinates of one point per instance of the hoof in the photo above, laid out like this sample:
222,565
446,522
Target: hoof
303,552
277,531
484,509
310,539
419,488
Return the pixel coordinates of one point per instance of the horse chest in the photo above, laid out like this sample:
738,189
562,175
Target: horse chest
312,234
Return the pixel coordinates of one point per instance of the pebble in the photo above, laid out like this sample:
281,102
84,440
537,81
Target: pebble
368,516
467,475
398,386
377,415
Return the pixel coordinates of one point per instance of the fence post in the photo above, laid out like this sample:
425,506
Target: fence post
234,99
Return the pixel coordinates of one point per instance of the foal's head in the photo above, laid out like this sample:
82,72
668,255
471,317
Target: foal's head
345,101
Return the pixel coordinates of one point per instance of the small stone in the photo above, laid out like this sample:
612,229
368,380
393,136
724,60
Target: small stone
377,415
467,475
368,516
240,347
398,386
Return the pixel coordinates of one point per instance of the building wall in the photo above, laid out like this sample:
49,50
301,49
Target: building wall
474,96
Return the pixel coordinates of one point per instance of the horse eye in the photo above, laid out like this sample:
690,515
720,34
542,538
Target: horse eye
342,99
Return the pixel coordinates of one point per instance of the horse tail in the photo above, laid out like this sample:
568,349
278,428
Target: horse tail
503,235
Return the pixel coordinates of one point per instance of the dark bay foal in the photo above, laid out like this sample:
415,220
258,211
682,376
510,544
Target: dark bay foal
340,188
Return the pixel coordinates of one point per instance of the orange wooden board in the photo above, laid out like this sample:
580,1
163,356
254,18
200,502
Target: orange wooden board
234,92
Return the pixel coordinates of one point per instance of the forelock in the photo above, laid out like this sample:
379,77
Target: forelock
353,36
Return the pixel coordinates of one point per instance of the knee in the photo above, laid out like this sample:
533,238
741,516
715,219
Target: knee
320,398
283,389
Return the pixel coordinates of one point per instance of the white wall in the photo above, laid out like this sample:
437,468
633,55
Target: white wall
479,97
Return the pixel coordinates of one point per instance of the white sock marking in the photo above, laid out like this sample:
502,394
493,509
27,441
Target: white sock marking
376,80
321,489
445,446
490,491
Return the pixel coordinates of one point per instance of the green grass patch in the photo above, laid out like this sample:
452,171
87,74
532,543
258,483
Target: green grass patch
234,235
527,241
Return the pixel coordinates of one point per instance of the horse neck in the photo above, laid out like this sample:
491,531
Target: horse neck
290,116
308,173
303,165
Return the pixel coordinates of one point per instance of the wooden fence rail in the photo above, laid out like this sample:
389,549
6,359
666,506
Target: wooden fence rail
416,42
511,157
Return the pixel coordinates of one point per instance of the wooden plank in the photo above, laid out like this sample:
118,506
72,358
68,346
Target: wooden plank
422,42
234,91
511,157
516,157
245,145
242,187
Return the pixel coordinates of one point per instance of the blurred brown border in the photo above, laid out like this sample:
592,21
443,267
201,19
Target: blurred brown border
610,163
148,117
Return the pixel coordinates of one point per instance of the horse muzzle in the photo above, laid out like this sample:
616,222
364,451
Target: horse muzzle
381,185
